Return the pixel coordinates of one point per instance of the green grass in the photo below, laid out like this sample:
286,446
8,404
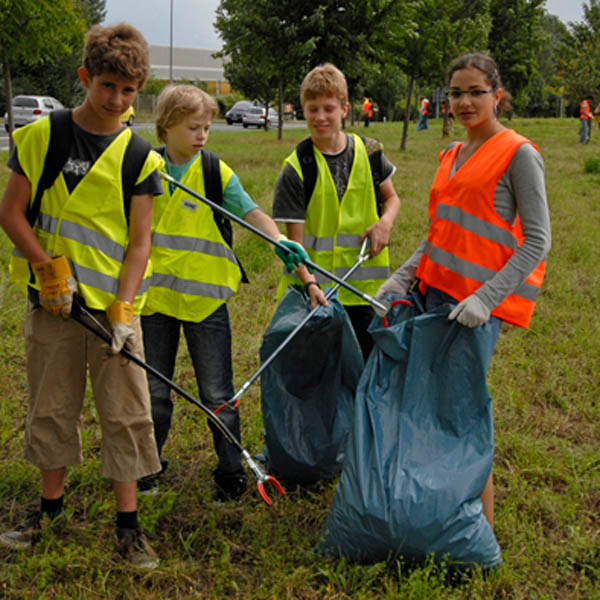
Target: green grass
544,383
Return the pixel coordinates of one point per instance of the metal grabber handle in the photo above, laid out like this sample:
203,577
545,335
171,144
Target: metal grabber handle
381,307
99,330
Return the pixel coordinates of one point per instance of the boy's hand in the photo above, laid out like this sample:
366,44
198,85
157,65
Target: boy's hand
294,259
120,315
58,285
379,233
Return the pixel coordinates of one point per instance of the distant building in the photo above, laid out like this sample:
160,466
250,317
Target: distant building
189,64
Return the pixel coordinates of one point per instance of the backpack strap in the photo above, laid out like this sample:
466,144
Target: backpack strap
374,152
213,187
308,164
133,162
59,144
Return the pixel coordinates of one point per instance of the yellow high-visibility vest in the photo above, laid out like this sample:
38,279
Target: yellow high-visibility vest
194,269
332,228
89,225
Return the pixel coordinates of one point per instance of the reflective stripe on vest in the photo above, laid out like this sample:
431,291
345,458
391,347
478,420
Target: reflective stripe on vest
468,243
194,270
88,226
332,228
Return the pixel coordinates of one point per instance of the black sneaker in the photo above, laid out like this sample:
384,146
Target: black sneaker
149,485
25,534
230,486
133,546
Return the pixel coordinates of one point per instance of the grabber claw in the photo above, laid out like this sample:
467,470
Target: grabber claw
262,478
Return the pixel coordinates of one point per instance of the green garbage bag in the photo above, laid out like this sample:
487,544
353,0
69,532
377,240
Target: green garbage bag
308,390
421,446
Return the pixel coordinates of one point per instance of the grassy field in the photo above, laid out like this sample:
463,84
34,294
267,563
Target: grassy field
544,383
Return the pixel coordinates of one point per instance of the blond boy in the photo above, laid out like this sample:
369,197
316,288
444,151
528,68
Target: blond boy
342,209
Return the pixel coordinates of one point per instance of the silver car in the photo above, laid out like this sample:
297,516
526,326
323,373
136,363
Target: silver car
255,116
27,109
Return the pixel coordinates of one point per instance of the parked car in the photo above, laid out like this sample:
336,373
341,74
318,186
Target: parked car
255,116
27,109
234,114
128,116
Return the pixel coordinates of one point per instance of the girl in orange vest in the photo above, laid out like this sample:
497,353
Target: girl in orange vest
489,225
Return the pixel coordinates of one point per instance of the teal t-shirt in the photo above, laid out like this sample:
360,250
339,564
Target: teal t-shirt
235,198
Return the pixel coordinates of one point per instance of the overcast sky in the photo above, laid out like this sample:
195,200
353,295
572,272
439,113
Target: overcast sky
193,19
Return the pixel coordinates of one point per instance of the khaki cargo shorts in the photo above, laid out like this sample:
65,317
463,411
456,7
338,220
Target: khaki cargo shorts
59,352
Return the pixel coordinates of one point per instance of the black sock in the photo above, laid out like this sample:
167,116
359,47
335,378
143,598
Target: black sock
127,520
52,507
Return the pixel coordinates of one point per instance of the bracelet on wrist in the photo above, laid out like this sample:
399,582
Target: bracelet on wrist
308,284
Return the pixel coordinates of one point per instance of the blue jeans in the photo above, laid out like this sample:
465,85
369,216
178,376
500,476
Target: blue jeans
423,122
209,345
436,298
586,131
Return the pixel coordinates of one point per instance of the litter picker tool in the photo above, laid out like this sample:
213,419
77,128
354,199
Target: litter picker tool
235,400
381,307
78,312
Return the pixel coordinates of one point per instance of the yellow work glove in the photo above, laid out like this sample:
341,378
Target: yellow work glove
120,315
58,285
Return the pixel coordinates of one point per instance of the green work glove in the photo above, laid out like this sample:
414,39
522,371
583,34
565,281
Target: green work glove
296,258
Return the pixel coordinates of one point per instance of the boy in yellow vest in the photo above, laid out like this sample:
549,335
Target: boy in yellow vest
194,274
84,236
342,209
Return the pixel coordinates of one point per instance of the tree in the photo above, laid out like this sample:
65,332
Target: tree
515,41
277,42
266,45
580,60
427,34
33,32
58,77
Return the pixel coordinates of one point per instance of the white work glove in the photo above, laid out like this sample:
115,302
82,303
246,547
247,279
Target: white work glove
471,312
399,283
120,315
391,286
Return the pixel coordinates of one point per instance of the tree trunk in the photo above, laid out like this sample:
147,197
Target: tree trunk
411,82
280,106
9,107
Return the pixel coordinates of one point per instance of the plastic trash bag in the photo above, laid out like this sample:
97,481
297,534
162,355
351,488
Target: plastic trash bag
421,447
308,390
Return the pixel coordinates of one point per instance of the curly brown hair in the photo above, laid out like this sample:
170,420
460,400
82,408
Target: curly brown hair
120,50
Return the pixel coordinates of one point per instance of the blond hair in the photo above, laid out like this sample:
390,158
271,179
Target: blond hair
324,80
120,50
176,102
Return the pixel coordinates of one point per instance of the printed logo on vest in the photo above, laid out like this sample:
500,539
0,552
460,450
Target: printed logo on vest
189,205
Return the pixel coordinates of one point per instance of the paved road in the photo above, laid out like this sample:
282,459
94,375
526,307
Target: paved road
215,127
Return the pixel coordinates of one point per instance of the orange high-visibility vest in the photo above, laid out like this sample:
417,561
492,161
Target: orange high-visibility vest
468,243
584,110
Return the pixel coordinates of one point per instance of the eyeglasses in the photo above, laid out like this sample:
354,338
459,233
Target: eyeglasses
475,94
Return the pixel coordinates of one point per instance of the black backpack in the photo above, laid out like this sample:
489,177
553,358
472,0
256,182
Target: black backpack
61,136
308,164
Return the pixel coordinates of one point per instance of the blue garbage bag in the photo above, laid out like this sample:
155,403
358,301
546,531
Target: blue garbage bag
308,390
421,447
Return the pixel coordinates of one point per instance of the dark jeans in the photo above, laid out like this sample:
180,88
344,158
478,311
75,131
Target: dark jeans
209,345
436,298
361,316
